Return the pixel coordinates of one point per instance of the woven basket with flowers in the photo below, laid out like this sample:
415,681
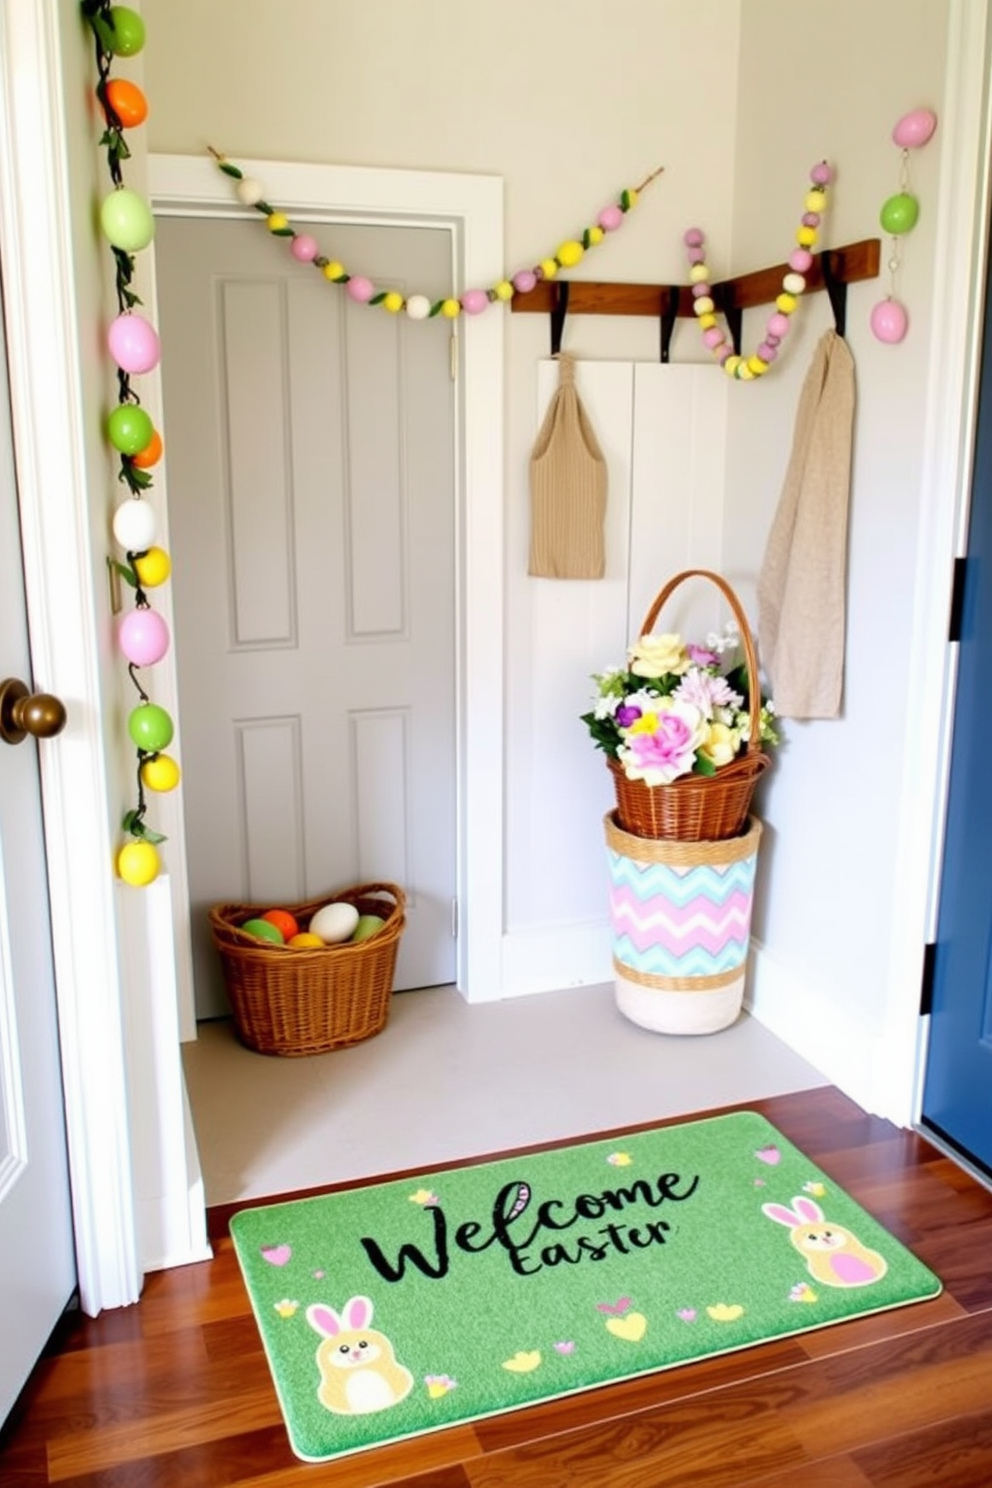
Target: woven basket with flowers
684,727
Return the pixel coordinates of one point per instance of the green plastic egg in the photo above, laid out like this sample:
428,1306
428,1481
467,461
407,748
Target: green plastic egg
264,930
899,213
126,220
150,727
129,31
129,428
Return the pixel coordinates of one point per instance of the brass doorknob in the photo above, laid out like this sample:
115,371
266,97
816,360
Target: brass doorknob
24,713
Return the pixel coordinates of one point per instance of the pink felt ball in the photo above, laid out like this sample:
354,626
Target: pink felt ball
693,238
524,281
767,352
700,289
133,343
143,637
696,255
714,337
304,248
800,259
778,324
811,219
360,289
914,128
889,321
474,301
821,174
610,218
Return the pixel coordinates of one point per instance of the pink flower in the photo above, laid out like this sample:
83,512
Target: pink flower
661,746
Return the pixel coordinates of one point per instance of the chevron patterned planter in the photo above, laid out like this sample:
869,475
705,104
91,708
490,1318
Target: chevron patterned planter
681,918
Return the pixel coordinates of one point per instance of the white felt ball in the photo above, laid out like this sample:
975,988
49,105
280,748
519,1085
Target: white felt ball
134,525
418,307
249,192
334,923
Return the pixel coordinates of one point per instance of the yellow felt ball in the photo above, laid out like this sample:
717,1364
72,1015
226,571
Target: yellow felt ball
570,253
742,372
699,274
450,309
815,201
503,290
731,364
392,301
806,236
596,235
153,568
756,365
549,268
277,222
707,321
333,270
138,863
160,774
703,305
786,303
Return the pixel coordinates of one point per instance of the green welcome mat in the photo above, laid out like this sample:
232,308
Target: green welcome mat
403,1307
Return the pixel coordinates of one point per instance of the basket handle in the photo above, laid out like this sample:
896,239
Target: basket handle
363,890
750,655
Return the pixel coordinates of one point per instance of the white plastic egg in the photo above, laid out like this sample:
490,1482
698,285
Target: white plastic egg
334,923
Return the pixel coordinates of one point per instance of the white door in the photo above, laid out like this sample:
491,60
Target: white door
310,476
37,1262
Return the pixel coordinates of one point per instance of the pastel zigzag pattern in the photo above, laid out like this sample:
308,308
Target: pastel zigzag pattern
701,931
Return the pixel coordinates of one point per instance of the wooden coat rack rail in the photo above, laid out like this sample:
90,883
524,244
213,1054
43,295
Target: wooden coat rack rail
832,270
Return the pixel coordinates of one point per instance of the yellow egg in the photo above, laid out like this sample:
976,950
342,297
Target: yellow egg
333,270
393,302
570,253
138,863
160,773
304,939
153,568
503,290
450,309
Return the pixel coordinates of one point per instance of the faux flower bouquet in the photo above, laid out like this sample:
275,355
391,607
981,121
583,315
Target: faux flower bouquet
677,708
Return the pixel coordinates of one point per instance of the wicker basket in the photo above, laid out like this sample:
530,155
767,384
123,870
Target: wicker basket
697,808
300,1000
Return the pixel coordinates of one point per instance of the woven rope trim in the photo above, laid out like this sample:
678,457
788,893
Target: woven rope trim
681,854
714,983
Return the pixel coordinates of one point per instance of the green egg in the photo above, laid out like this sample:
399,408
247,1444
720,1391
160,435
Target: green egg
900,213
368,925
264,930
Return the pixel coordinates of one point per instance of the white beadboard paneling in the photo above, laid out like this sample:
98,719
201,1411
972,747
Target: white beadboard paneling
259,475
268,754
380,747
375,479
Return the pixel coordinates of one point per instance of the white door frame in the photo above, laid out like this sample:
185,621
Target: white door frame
472,207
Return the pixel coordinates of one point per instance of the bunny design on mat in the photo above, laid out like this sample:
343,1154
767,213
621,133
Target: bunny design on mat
833,1255
358,1369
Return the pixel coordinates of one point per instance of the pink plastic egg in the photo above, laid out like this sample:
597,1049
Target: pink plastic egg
133,343
889,321
143,636
914,128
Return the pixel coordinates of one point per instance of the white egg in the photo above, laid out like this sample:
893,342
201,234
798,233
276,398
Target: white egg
334,923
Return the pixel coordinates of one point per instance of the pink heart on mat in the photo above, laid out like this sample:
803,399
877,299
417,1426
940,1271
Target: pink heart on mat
769,1154
276,1255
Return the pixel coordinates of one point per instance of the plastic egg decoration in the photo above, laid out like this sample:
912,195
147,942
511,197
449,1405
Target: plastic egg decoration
143,637
133,343
914,129
899,213
129,428
135,525
126,220
150,727
334,923
128,36
889,321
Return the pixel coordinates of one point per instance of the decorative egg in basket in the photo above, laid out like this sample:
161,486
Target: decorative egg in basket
334,923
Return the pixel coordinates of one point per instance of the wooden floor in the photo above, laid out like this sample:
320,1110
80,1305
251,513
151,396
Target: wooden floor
176,1390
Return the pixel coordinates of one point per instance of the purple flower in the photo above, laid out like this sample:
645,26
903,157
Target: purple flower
702,657
626,715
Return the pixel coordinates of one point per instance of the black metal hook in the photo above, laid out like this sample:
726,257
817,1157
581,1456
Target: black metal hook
669,314
558,315
837,290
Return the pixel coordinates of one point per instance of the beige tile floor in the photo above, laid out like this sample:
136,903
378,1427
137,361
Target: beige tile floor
447,1080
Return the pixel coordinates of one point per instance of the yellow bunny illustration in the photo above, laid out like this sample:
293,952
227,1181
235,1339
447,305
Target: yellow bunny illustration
832,1254
358,1369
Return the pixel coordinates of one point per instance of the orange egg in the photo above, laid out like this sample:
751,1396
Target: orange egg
127,101
284,921
305,939
151,454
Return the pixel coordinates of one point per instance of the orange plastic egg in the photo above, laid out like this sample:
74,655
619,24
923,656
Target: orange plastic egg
151,454
128,102
284,921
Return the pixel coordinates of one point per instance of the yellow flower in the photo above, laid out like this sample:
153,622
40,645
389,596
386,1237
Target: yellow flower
653,656
721,744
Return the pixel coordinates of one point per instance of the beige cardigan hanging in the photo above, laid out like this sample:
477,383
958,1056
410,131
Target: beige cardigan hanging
801,588
568,489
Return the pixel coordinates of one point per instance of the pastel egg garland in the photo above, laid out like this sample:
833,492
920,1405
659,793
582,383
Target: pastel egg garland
898,215
747,368
143,637
363,291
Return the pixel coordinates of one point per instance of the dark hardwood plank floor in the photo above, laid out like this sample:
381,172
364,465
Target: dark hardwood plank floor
176,1391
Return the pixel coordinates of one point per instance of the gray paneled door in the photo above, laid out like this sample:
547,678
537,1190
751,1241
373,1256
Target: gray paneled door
310,476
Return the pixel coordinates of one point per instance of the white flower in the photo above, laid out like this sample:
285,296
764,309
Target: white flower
707,693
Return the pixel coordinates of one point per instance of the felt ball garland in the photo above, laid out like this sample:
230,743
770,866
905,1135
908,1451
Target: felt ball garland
304,248
747,368
128,225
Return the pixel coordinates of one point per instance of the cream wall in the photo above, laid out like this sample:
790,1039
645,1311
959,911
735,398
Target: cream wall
568,104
